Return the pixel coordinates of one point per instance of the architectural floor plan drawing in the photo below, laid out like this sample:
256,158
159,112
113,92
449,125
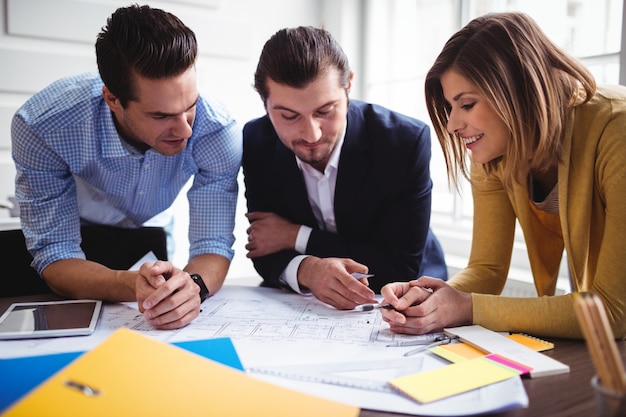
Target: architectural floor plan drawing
300,343
280,316
266,314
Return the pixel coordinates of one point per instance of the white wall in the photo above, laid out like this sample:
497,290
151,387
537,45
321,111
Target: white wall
42,40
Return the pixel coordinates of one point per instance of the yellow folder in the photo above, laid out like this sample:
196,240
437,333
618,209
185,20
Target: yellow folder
133,375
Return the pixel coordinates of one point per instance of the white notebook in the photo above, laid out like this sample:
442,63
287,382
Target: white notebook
494,342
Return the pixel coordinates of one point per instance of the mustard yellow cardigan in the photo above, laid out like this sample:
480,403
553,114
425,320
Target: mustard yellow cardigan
592,211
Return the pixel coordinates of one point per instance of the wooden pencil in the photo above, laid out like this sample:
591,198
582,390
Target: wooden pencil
600,341
590,333
605,342
608,343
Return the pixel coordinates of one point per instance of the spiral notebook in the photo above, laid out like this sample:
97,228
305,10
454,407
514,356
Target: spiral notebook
367,375
532,342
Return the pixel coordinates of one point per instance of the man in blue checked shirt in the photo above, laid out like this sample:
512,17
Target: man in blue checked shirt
116,149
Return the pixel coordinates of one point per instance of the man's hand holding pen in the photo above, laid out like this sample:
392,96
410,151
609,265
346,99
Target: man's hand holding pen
331,281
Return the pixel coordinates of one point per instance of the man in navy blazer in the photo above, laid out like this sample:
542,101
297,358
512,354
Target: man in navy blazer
333,186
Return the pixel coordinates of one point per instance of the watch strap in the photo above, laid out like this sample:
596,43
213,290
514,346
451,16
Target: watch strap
204,291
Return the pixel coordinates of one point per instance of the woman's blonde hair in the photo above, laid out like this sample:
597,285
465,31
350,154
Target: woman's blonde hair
527,80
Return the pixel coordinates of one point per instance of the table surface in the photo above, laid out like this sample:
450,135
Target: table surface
561,395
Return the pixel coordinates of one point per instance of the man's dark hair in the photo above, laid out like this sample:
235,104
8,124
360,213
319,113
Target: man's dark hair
297,56
140,40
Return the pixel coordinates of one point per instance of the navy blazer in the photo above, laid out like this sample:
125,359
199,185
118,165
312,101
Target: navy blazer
382,196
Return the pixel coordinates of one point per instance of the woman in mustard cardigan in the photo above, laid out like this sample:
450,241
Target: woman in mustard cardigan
548,149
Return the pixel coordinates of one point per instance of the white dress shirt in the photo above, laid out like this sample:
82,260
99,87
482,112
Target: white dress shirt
320,189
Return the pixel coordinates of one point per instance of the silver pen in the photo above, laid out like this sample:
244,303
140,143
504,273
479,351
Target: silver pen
422,340
370,307
443,341
359,275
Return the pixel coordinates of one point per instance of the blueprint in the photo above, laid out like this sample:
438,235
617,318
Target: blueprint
238,312
266,314
272,329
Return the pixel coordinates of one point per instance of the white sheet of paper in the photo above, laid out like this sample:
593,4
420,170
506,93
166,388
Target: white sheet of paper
272,327
148,257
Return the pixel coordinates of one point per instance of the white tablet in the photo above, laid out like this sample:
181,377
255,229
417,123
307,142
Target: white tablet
50,319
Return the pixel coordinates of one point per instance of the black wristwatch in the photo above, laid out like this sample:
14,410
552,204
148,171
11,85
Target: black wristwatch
204,291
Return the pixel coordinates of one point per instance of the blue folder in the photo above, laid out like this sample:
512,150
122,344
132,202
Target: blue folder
20,375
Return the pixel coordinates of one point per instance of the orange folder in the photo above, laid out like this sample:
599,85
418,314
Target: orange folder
132,374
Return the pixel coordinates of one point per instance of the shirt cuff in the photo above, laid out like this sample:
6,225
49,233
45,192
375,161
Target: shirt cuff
290,275
303,239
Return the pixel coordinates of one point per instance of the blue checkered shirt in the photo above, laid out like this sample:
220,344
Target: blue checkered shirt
72,167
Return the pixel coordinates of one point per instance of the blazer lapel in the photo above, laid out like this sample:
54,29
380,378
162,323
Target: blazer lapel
293,188
353,166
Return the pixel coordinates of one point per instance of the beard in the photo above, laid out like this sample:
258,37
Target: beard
316,156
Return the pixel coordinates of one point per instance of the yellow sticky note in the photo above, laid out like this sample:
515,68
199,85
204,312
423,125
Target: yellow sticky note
457,352
452,379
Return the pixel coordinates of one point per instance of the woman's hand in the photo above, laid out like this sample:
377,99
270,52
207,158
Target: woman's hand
425,305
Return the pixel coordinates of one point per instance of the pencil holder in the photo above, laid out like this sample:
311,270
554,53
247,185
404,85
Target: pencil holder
608,403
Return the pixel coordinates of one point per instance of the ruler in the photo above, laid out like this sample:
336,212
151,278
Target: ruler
357,375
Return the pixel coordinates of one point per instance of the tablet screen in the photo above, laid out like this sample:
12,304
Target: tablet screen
50,319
